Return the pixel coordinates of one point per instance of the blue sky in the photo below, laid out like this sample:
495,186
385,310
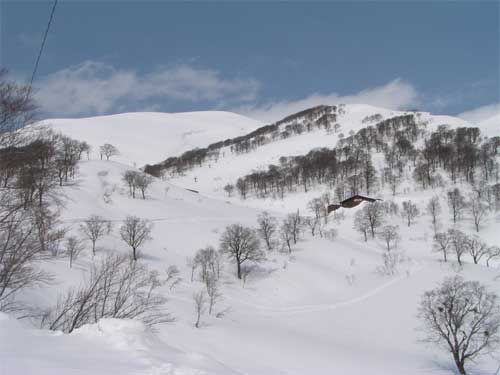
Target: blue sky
261,59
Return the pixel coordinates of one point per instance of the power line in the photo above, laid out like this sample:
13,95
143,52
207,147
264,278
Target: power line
41,48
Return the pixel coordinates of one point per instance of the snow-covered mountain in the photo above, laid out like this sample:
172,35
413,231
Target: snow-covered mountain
213,175
145,137
491,126
321,309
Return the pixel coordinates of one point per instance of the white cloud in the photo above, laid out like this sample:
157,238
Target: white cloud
96,88
482,113
396,94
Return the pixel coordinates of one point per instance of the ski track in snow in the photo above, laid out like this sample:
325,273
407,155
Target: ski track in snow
303,309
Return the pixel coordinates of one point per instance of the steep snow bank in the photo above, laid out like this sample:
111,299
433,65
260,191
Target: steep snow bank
112,346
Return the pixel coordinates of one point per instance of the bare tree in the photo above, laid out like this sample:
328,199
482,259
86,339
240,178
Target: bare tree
242,187
316,206
213,291
199,306
45,222
294,224
143,181
476,248
331,234
390,262
267,227
74,247
477,209
17,109
457,204
390,234
108,150
394,180
463,317
434,209
493,253
286,234
20,251
209,263
313,223
94,228
458,241
409,212
241,244
115,288
246,271
136,232
190,262
442,242
84,147
173,277
129,177
361,223
229,189
326,199
374,214
137,180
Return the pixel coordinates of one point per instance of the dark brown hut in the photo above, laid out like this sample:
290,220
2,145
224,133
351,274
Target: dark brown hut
333,207
351,202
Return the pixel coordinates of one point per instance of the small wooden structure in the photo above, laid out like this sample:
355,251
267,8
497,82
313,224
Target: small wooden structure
351,202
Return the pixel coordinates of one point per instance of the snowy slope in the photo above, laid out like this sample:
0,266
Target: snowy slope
146,137
491,126
110,346
231,166
299,314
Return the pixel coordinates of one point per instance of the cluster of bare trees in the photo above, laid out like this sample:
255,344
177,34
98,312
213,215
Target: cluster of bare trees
20,254
478,204
115,288
38,164
137,181
304,121
369,219
409,212
459,244
460,153
350,168
462,317
107,150
283,236
209,263
33,163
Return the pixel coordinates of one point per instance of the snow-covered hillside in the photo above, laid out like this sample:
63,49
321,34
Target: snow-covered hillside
145,137
321,309
230,166
491,126
299,314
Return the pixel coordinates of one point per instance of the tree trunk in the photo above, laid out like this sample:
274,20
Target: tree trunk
460,366
238,265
